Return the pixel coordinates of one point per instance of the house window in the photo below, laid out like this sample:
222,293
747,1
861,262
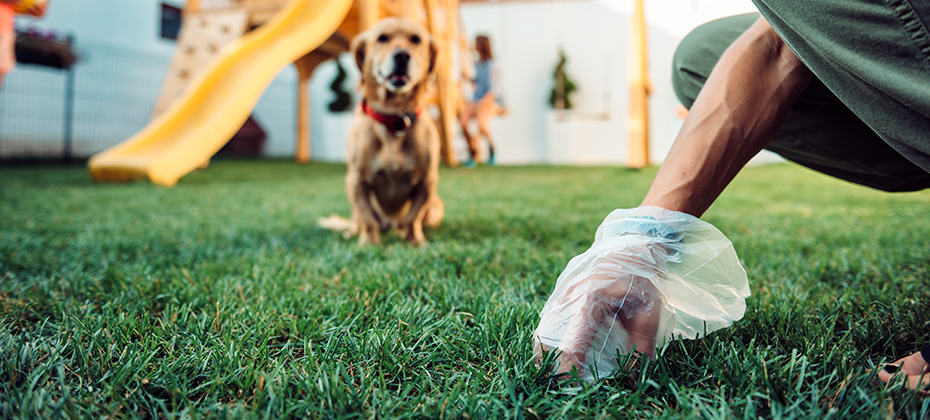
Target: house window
170,21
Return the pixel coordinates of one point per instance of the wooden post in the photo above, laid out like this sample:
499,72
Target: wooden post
302,149
368,14
410,10
450,101
305,66
639,92
445,83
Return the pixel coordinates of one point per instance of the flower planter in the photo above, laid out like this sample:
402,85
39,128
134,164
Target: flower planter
44,49
44,58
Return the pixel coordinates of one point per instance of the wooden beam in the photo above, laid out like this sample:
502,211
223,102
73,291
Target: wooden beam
640,88
445,83
305,67
411,9
369,13
302,153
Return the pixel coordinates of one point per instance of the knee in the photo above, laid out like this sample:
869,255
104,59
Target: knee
699,51
484,126
688,71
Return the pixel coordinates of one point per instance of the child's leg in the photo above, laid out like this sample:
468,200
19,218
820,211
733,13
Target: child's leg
467,114
487,109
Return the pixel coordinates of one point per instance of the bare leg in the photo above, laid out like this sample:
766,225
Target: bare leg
467,114
487,109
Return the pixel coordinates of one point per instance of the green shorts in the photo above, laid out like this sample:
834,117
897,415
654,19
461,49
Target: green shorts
865,117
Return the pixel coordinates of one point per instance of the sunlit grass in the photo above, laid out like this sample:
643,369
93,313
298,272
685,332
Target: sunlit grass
222,298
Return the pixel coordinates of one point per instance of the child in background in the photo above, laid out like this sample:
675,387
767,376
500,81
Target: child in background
8,10
486,103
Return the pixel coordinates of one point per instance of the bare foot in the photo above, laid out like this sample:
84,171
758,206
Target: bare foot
914,370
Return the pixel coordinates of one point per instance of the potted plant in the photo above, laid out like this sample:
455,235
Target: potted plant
343,99
560,96
44,48
559,128
331,130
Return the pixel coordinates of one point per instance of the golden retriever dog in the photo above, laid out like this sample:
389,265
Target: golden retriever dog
393,145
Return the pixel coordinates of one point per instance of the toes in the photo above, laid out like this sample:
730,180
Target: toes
887,372
912,371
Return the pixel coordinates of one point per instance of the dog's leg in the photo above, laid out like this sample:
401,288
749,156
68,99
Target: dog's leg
414,233
412,223
435,211
366,221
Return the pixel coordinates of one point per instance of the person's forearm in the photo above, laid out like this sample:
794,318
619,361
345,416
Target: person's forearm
739,110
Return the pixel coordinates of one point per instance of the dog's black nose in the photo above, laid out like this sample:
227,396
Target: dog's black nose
401,57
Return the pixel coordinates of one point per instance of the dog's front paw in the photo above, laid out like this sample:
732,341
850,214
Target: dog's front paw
364,240
369,235
413,234
419,243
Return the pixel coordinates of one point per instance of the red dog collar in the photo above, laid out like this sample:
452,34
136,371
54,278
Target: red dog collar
396,124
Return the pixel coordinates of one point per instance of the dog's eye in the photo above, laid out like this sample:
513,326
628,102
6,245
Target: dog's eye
415,39
382,38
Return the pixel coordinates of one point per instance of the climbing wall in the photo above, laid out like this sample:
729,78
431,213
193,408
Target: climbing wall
202,37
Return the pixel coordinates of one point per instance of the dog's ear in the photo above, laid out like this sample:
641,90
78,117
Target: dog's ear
433,52
357,47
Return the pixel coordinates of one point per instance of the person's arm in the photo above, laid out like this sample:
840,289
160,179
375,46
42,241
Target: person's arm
739,110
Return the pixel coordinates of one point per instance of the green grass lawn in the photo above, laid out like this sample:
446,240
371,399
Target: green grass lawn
221,298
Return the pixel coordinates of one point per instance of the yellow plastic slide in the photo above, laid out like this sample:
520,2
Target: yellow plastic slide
210,112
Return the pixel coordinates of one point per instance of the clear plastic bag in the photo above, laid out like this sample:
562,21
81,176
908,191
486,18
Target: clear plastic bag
652,275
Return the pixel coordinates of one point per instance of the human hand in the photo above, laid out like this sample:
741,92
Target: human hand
617,309
651,275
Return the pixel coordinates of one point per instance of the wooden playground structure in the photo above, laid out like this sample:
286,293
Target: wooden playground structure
229,51
208,25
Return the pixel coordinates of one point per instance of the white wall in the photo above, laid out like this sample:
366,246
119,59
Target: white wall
596,37
123,25
328,130
526,37
131,23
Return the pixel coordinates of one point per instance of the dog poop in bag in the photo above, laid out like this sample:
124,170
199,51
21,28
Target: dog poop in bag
652,275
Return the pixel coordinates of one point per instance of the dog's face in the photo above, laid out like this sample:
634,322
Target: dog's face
396,54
